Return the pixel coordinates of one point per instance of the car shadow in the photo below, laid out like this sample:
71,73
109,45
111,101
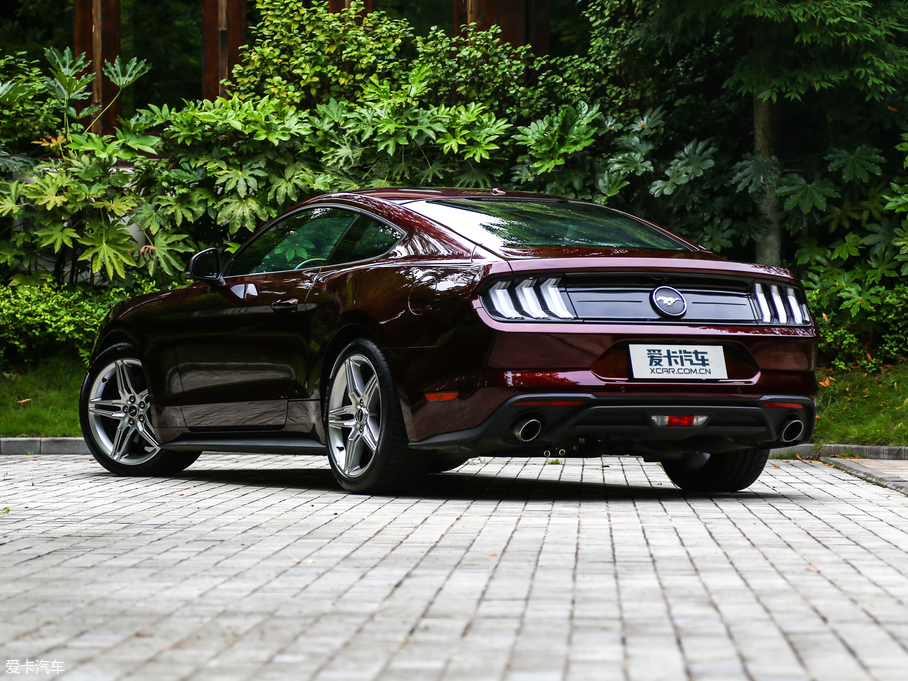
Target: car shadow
467,486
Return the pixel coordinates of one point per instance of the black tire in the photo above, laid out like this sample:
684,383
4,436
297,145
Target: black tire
114,412
447,462
368,448
728,472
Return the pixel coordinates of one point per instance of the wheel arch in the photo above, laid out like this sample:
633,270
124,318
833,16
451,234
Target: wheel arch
348,332
353,327
111,337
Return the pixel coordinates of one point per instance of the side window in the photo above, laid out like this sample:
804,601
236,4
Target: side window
304,239
368,238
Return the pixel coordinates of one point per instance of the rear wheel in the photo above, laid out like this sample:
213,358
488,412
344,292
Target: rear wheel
368,447
728,472
114,409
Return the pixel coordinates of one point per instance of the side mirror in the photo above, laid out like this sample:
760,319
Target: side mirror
206,266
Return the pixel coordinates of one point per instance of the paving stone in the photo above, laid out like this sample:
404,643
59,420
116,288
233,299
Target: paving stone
260,568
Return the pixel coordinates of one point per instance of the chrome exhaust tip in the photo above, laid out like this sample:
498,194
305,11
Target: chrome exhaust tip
527,429
792,430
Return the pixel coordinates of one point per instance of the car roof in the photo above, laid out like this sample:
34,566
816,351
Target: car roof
407,194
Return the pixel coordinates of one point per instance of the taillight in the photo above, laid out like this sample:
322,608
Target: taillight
780,305
530,299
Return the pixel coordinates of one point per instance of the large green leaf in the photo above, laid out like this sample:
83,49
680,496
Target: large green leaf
161,252
123,75
754,172
863,161
806,196
58,234
243,211
109,247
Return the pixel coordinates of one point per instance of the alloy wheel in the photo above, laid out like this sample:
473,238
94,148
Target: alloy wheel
354,415
118,413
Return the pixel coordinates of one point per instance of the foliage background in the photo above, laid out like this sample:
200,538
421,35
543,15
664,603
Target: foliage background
646,115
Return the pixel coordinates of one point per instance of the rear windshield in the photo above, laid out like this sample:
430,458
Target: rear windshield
514,223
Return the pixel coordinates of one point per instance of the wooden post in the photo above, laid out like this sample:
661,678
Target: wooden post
97,24
223,33
340,5
538,24
522,21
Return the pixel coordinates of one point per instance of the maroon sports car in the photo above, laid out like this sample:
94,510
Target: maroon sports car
405,331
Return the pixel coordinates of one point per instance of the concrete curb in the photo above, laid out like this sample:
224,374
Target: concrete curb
855,468
866,452
43,445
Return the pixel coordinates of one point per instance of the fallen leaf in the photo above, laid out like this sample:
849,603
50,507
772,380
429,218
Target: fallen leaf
25,400
774,466
825,383
811,568
5,510
492,555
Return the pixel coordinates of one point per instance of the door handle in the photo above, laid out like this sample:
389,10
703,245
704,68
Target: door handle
285,304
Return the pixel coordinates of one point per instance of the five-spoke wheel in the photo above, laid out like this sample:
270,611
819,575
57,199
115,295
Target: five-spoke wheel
118,413
367,442
354,415
115,412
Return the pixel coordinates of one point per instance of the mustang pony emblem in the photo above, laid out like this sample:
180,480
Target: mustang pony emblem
668,300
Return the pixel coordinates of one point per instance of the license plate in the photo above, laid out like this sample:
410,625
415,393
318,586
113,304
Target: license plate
678,362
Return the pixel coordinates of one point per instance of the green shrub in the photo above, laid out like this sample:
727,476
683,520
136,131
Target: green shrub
26,115
305,55
865,336
40,321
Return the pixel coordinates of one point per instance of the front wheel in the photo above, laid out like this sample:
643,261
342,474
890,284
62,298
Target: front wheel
728,472
114,409
367,441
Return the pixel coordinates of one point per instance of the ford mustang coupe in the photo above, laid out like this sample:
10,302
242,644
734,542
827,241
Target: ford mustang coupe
404,331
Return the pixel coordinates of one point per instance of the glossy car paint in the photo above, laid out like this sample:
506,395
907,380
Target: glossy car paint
226,359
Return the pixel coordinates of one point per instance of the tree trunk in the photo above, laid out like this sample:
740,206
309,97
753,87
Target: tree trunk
767,115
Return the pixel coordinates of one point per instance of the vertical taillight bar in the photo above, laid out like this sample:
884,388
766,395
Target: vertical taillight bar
795,307
765,312
781,314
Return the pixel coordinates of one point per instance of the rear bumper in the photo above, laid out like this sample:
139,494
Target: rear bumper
586,425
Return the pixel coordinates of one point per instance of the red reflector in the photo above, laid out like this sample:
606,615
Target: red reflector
550,403
680,421
783,405
441,397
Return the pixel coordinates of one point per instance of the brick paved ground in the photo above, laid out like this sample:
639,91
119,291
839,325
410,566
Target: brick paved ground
252,567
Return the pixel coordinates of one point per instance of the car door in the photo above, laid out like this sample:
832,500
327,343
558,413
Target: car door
356,277
239,352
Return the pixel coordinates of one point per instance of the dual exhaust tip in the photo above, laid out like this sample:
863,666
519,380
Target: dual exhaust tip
792,430
527,429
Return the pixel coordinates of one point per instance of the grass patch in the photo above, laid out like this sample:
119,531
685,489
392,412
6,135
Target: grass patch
41,399
863,408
